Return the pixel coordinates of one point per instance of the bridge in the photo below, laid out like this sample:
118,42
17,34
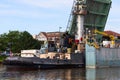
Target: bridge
95,15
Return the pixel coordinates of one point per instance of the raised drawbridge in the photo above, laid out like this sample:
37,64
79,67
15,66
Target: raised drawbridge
95,14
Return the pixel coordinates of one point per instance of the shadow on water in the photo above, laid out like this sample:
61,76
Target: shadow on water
60,74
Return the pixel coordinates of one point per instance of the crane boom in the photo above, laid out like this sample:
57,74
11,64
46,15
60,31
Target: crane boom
105,34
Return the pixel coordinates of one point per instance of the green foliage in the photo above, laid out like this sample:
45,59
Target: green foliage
2,58
17,41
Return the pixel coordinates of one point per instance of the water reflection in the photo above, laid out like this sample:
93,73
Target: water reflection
108,74
60,74
103,74
53,74
90,74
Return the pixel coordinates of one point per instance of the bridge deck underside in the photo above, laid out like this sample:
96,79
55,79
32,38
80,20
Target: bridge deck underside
97,14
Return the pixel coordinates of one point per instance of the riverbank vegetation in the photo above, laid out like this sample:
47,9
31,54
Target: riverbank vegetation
16,41
2,58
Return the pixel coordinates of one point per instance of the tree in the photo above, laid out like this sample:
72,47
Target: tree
3,42
28,42
17,41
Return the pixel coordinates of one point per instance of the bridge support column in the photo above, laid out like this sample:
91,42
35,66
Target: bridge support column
90,56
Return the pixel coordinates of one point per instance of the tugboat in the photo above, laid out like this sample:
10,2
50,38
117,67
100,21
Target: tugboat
50,57
63,57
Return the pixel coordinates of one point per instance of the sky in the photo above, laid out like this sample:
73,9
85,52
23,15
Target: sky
37,16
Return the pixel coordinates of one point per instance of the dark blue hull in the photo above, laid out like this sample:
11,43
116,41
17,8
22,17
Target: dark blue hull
76,61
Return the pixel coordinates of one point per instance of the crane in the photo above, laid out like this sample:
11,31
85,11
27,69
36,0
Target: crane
87,14
105,34
112,38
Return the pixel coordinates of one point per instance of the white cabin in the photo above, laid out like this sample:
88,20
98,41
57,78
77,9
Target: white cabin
29,53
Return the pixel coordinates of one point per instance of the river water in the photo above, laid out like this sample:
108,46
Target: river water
59,74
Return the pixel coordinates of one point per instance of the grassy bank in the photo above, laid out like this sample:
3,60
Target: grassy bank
2,58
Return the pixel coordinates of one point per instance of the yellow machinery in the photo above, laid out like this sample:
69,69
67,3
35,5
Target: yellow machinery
112,38
105,34
93,41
